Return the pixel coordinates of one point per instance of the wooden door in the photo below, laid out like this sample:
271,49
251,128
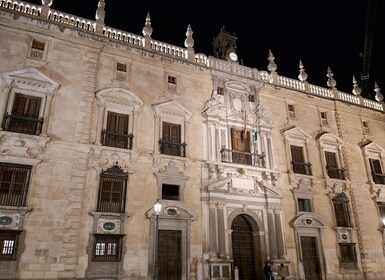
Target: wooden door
169,255
310,259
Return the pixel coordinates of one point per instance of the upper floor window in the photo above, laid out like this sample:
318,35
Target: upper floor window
296,145
107,248
24,117
117,117
171,128
373,157
37,49
27,101
121,71
112,190
365,127
251,98
170,144
170,192
9,240
341,210
291,111
304,205
331,156
381,207
116,132
14,183
377,172
324,118
220,91
299,164
333,167
171,81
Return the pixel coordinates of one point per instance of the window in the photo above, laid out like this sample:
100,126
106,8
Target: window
37,49
291,111
121,71
332,168
220,90
376,169
14,180
170,192
27,101
298,161
240,143
24,117
170,144
381,207
348,255
9,240
324,118
341,210
171,80
107,248
304,205
112,190
251,98
116,134
365,126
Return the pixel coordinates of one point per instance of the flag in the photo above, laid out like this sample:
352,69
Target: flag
255,139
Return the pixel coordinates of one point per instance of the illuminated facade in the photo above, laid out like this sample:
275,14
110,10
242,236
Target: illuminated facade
97,124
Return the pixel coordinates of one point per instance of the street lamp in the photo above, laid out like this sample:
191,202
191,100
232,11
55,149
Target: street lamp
157,208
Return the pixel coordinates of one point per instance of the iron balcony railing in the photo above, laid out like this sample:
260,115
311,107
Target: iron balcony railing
379,178
172,148
20,124
301,167
246,158
117,140
336,173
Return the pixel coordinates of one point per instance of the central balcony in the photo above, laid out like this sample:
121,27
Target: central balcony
245,158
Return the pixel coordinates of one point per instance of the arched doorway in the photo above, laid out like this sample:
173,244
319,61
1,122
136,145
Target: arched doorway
244,247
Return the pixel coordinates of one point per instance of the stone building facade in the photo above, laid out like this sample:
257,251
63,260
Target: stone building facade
249,166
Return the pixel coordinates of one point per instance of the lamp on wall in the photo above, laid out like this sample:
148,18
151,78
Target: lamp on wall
157,208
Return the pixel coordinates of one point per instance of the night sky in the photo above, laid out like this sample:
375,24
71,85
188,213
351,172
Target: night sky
322,34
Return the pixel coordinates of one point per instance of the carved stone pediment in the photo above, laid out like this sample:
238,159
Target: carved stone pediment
171,108
119,96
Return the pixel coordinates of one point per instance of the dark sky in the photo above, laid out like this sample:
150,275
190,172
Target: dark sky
322,33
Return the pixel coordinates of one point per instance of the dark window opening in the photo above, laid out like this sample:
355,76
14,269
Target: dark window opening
116,134
341,210
332,166
377,173
298,161
170,192
220,90
304,205
348,255
170,144
37,45
251,98
121,67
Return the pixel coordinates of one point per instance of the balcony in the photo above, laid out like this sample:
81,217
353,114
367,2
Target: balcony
379,178
245,158
301,167
20,124
172,149
336,173
117,140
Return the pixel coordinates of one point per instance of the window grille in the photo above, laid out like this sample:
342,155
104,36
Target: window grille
37,49
14,180
107,248
9,240
291,111
171,83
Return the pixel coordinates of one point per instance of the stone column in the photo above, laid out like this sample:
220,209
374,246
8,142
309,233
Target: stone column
272,234
212,230
221,230
279,233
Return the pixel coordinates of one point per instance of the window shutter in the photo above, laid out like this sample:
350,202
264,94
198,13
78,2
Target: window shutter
297,154
331,160
375,166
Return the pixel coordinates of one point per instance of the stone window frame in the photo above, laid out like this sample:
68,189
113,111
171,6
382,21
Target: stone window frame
324,118
342,198
37,53
328,142
28,82
370,150
295,136
171,112
121,71
103,238
120,101
291,112
172,83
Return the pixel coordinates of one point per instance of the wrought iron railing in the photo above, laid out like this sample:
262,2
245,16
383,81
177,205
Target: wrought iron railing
301,167
22,124
379,178
336,173
172,149
117,140
247,158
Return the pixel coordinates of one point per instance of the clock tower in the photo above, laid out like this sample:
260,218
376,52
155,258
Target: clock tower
225,46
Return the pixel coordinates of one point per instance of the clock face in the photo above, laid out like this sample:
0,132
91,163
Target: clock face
233,56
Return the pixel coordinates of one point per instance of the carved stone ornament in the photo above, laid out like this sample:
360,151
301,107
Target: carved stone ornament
108,226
